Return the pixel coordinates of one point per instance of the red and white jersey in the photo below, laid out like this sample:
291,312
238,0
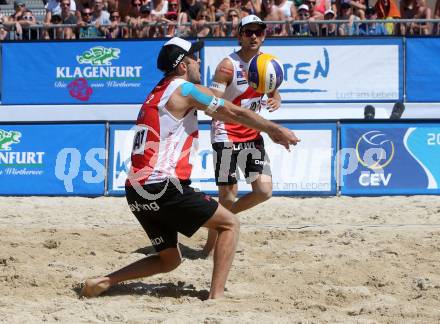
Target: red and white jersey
163,144
240,94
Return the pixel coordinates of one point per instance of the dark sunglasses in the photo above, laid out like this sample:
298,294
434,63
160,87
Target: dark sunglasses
28,17
86,14
114,17
249,33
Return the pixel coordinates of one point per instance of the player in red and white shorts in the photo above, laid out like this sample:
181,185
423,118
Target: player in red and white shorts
236,145
158,188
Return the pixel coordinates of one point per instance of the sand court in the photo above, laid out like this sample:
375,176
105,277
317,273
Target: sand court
323,260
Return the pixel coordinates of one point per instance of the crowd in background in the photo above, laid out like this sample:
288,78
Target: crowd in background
111,19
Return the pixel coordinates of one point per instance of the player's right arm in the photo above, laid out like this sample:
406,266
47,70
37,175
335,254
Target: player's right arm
190,96
223,76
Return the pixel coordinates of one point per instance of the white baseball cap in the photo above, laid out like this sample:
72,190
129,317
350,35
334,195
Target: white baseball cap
251,19
303,7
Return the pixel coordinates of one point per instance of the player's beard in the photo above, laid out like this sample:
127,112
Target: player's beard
194,76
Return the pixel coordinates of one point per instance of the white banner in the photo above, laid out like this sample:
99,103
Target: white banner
307,168
328,72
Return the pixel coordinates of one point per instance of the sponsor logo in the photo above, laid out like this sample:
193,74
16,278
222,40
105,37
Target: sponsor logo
98,55
240,82
153,206
80,89
96,68
262,162
374,150
157,240
8,138
178,59
242,146
16,163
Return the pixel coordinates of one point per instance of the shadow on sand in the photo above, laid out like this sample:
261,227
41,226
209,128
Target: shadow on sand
187,252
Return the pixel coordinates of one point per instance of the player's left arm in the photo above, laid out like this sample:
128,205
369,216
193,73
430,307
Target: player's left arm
274,100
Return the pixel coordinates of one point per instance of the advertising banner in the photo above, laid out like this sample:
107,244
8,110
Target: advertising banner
119,72
52,159
379,159
422,69
307,169
352,70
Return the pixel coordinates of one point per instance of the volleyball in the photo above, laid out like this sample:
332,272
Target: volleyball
265,73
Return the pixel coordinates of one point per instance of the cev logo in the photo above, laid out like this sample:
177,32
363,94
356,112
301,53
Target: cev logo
374,150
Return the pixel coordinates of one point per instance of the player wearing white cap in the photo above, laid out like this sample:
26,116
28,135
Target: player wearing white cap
158,188
235,144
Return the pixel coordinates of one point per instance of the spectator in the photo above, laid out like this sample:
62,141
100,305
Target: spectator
387,9
53,7
251,7
134,10
230,29
145,29
436,27
350,28
114,30
171,19
371,28
329,29
27,21
19,8
358,7
236,4
86,28
287,8
199,27
67,18
11,29
301,26
191,8
3,32
422,12
181,20
55,32
100,16
270,12
159,8
316,10
219,8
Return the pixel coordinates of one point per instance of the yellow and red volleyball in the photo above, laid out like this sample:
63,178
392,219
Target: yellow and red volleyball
265,73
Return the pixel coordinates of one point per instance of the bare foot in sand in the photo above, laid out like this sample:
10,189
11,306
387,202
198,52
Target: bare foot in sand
95,287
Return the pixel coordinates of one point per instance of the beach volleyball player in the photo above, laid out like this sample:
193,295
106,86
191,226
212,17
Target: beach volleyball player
158,188
235,144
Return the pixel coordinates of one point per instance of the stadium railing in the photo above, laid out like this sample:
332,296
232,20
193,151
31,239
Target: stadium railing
293,28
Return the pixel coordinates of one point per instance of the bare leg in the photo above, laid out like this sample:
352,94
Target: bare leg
227,195
261,191
165,261
227,226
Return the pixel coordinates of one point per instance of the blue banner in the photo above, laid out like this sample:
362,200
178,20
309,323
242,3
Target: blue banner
326,70
308,169
116,72
379,159
61,159
422,69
